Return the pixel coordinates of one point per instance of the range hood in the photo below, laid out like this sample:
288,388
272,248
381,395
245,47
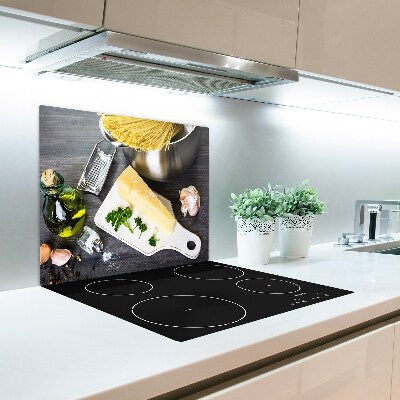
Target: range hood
130,59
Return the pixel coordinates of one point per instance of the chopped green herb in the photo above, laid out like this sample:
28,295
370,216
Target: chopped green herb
153,241
138,222
119,217
143,228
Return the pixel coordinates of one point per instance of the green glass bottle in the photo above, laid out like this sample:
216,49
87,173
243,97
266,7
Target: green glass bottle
64,210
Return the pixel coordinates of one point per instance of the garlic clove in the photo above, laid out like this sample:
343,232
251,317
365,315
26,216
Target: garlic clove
45,251
190,200
60,256
191,205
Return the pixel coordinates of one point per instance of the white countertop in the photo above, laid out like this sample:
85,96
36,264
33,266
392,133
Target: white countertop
52,347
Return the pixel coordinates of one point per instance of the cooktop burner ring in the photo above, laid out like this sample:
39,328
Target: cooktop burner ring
225,268
242,309
274,292
151,287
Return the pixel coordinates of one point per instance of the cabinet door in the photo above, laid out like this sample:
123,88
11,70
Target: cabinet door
396,364
260,30
357,369
351,39
85,13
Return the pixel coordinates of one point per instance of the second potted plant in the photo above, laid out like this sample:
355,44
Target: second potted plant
300,204
255,212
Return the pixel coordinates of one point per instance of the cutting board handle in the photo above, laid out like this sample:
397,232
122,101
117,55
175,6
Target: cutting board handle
186,242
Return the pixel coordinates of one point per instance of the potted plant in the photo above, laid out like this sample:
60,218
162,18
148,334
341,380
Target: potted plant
255,212
299,204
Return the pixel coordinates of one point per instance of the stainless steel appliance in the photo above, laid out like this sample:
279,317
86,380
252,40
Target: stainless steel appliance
130,59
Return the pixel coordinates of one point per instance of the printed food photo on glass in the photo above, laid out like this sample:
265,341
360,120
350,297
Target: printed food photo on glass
119,194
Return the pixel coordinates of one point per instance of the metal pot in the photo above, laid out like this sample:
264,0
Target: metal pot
165,165
162,165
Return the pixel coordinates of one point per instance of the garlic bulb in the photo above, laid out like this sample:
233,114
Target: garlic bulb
45,251
190,200
60,256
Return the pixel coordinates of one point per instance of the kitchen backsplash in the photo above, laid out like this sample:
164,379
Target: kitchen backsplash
345,157
67,139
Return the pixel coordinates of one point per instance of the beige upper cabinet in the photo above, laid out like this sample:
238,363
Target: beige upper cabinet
82,13
356,40
260,30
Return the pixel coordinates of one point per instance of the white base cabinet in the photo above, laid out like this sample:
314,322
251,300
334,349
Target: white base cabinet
357,369
396,364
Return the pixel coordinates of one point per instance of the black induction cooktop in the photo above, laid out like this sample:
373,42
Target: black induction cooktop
193,300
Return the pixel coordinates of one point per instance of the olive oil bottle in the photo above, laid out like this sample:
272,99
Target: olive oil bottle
64,210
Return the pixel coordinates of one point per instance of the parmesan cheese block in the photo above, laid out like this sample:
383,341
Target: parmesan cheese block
134,190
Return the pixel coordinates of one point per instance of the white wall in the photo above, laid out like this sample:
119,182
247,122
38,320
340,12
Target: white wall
250,144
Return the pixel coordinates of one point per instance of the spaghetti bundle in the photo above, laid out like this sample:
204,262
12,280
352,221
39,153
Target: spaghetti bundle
140,134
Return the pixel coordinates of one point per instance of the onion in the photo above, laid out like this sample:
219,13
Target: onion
45,251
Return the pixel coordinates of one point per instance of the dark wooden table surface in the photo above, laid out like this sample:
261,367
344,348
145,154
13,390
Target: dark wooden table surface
67,138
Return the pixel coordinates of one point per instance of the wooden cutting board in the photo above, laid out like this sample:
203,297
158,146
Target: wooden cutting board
179,240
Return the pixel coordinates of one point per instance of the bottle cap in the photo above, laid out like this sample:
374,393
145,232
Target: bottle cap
49,178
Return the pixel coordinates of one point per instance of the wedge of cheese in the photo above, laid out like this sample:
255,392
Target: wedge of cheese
134,190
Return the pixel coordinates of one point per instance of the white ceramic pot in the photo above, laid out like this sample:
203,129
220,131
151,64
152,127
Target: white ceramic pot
295,236
254,240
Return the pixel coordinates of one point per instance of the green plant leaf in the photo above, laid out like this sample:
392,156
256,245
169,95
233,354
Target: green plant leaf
301,200
264,204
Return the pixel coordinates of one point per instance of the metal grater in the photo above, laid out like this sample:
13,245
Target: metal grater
96,170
